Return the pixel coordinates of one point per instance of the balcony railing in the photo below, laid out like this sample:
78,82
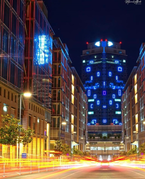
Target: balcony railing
104,139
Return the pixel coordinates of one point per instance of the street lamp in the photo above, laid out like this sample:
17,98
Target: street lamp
26,95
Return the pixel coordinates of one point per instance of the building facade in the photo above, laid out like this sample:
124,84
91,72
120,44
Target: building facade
12,36
67,96
133,100
104,75
26,42
38,76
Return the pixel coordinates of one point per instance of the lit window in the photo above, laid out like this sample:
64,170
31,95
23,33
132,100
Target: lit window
98,74
104,121
117,105
120,69
116,61
84,61
91,106
104,83
104,93
104,106
136,99
113,96
89,92
97,44
119,92
95,56
110,73
112,56
117,112
91,100
115,121
118,100
124,61
110,43
98,102
110,102
91,78
88,69
116,77
94,121
90,112
5,108
95,96
91,61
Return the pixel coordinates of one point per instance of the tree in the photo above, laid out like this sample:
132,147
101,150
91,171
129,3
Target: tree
66,149
123,153
132,151
27,136
142,149
58,146
12,133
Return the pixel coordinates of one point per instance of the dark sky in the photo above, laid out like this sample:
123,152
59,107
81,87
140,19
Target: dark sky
79,21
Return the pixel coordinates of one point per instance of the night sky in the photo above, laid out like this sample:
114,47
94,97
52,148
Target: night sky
79,21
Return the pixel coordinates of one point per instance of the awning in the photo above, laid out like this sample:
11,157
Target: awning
74,143
134,143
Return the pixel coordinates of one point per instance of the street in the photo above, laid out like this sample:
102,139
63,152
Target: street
90,172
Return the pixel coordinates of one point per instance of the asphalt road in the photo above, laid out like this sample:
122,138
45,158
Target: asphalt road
90,172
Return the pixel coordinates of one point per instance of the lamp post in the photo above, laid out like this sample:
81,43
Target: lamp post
26,95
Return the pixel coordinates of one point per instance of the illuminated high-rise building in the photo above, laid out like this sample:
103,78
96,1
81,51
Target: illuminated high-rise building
104,74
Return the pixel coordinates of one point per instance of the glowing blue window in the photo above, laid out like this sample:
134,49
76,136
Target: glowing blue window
91,61
95,96
116,61
89,92
119,92
91,106
113,87
94,87
117,105
110,102
110,73
104,121
104,83
120,124
120,69
115,121
113,96
104,106
91,78
88,69
98,74
116,77
104,93
84,61
98,102
94,121
88,124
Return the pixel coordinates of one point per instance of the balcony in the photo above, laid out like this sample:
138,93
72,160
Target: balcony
104,139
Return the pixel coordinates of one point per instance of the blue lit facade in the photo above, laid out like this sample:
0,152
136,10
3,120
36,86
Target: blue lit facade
38,54
104,75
